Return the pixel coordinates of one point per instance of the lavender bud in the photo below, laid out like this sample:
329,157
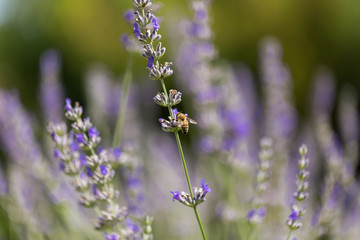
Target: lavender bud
147,235
149,17
174,97
169,126
139,19
160,51
303,150
81,183
87,200
161,99
72,113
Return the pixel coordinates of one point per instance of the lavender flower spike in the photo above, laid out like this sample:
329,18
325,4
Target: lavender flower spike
258,209
91,170
51,91
158,71
297,210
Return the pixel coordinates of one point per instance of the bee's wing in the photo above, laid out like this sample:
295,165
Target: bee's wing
191,120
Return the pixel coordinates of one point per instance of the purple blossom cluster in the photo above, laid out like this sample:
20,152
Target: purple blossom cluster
146,28
92,171
199,195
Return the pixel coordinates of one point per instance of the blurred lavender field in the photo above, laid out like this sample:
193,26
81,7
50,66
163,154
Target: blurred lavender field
274,153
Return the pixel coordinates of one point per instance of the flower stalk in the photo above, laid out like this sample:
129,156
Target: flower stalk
302,184
146,28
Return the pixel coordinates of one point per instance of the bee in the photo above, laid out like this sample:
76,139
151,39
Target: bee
184,121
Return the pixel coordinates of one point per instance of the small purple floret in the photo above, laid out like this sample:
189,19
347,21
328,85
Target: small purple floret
137,30
205,187
176,195
56,153
62,166
174,111
294,215
155,24
93,132
94,188
68,106
83,160
251,214
103,170
80,138
89,172
74,147
150,62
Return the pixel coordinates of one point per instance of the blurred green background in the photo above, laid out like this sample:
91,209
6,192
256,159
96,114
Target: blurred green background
86,31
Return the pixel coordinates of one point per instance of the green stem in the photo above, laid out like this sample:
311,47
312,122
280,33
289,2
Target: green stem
200,224
184,163
288,236
124,102
252,232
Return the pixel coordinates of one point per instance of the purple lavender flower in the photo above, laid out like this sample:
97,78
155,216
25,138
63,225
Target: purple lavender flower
80,138
294,215
61,166
137,31
150,62
56,153
93,132
176,195
205,187
103,170
280,115
89,173
68,106
155,24
199,195
251,214
74,146
174,112
16,133
83,161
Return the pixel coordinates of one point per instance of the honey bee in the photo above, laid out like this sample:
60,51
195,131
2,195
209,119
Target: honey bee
184,122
